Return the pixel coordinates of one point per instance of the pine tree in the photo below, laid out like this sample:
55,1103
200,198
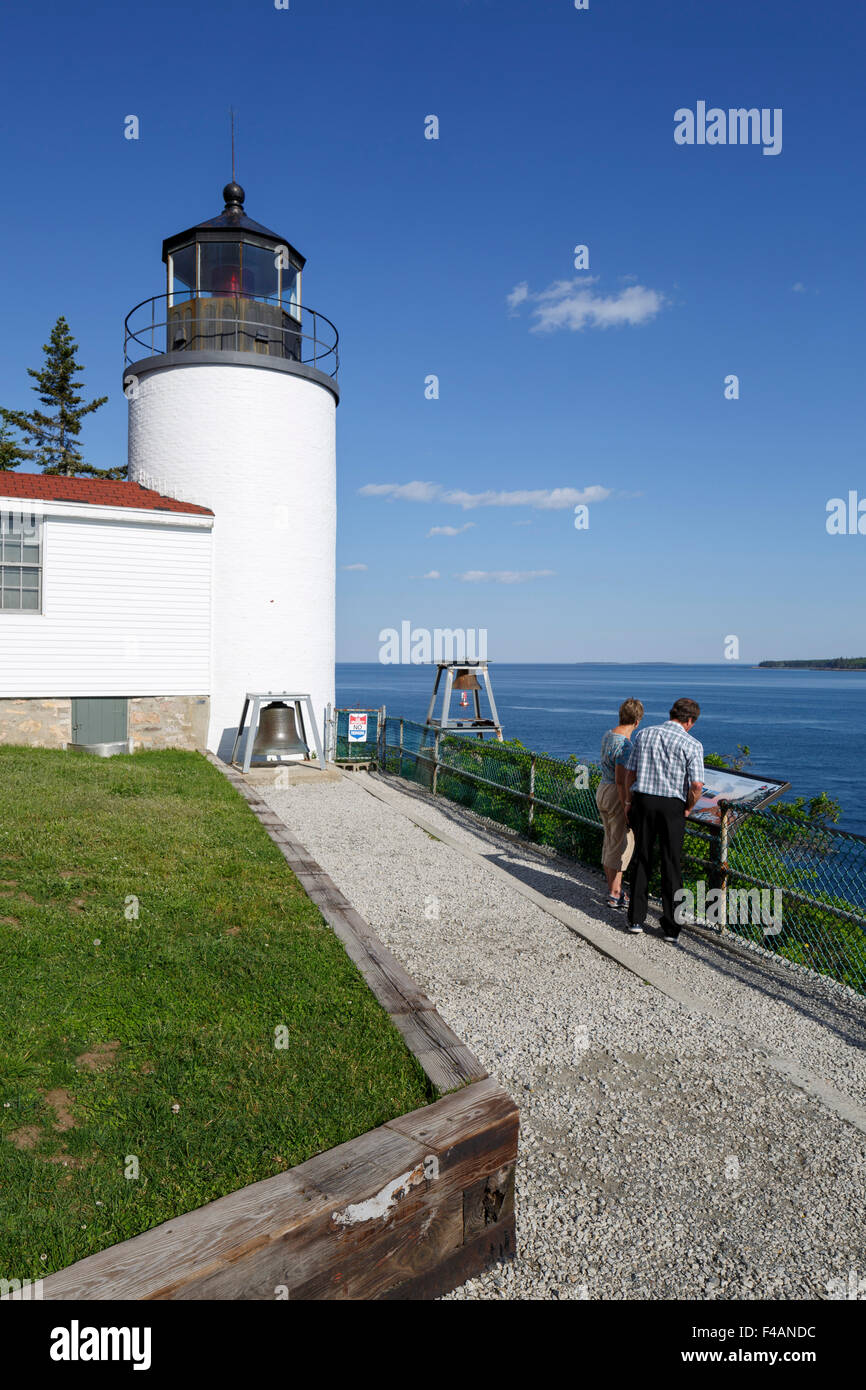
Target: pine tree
11,453
54,436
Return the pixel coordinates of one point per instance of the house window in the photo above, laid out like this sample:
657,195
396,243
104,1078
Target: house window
20,562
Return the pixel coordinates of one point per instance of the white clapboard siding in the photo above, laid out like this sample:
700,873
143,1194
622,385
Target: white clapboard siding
125,611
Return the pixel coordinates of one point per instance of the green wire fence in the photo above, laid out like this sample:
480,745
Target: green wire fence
342,741
773,877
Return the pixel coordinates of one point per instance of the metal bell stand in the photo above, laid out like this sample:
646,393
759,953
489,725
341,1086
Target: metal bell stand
474,725
257,699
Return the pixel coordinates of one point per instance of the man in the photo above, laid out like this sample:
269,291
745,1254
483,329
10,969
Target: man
664,779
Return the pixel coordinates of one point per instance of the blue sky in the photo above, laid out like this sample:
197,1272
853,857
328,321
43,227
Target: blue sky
706,515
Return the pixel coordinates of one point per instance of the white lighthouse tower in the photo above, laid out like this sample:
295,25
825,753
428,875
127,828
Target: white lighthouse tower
232,387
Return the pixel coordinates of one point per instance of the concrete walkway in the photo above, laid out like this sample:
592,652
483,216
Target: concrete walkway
693,1119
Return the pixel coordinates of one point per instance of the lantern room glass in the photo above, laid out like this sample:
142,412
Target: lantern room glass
237,268
234,268
290,290
183,268
220,268
260,272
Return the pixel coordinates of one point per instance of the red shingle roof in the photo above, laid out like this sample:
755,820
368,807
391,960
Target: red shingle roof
104,492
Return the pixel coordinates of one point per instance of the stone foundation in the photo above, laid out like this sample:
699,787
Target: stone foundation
155,721
36,723
169,721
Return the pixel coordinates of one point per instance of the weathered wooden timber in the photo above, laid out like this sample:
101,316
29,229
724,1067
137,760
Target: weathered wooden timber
406,1211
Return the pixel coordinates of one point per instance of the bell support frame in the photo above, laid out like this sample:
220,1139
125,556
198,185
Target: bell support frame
475,725
257,699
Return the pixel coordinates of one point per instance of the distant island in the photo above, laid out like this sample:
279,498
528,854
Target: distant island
830,663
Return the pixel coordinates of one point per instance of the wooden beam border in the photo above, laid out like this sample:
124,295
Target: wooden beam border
447,1061
407,1211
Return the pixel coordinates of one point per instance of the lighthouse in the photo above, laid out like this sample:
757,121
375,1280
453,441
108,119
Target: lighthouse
232,388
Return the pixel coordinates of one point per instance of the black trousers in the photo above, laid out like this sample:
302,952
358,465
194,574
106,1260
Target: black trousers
662,819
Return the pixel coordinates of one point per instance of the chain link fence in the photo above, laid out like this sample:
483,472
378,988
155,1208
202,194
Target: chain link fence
353,739
773,877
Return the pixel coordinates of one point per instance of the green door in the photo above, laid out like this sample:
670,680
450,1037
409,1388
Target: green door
99,720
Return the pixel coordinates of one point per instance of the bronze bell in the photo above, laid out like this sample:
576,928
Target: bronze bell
277,735
466,680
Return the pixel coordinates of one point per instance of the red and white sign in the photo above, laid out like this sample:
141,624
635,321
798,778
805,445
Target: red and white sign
357,728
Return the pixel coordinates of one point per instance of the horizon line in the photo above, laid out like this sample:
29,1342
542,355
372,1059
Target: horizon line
743,665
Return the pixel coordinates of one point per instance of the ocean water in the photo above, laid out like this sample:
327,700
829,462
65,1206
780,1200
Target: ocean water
801,726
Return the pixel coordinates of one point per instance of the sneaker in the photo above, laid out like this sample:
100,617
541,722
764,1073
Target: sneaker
635,928
669,937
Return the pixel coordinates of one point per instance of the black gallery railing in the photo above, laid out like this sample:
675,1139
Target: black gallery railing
188,322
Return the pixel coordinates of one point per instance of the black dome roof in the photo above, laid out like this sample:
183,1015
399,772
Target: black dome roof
232,220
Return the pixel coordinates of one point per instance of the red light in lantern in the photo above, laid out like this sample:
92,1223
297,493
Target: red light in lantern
228,280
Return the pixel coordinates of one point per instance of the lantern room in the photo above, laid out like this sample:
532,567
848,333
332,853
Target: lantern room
233,285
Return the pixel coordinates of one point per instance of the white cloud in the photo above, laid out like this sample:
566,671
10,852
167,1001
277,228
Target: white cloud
574,305
541,499
799,288
560,288
518,295
432,574
503,576
353,567
449,530
405,492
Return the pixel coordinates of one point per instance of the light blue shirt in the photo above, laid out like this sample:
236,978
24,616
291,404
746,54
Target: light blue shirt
615,749
666,760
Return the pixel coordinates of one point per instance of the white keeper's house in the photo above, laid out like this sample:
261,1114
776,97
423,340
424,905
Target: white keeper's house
142,611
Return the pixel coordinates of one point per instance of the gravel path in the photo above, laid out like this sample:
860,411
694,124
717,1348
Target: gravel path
661,1155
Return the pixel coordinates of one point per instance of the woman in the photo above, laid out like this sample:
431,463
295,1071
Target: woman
610,799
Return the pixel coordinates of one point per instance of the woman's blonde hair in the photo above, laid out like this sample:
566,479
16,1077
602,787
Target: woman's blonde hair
630,712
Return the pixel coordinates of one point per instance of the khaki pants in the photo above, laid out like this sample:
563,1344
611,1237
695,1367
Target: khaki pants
618,844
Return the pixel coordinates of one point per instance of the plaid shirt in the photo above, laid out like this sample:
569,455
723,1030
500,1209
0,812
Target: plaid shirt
666,759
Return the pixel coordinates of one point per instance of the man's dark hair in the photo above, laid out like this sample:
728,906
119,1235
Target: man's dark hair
685,709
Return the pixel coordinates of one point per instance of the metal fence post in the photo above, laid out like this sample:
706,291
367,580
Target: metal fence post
327,731
400,754
435,761
723,864
531,790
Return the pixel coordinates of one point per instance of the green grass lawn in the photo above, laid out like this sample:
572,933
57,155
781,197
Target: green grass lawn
146,1044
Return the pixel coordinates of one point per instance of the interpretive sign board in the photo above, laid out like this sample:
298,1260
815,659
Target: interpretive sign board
740,791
